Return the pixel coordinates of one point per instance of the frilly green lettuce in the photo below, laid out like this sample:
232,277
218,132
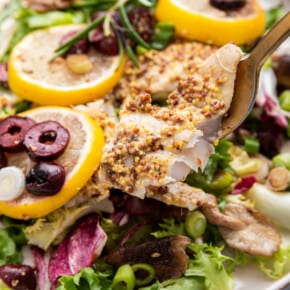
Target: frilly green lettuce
86,279
276,266
207,270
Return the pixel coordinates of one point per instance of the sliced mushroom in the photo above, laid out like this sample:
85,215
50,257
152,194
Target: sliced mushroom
215,216
167,256
257,237
243,228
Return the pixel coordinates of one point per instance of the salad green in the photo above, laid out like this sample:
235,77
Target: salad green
238,171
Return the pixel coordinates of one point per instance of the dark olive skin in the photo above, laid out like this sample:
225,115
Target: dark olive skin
228,4
3,159
46,140
18,277
12,132
143,22
281,65
45,179
80,47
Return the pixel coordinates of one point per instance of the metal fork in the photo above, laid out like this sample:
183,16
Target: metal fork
247,78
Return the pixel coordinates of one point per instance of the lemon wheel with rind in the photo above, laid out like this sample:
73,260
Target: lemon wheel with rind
194,25
33,76
81,159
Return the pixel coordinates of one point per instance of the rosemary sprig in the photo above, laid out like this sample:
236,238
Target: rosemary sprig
107,20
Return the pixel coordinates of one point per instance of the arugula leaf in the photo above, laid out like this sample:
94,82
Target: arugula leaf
209,264
87,279
169,227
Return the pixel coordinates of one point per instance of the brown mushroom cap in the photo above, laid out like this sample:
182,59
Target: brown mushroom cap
166,255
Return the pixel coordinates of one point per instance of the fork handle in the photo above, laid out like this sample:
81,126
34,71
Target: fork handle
270,42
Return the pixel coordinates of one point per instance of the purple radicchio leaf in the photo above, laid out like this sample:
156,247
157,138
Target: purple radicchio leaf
244,185
78,250
267,98
41,266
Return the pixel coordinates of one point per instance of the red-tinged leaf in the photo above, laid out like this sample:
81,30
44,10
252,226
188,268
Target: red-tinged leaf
58,264
244,185
119,218
86,243
41,268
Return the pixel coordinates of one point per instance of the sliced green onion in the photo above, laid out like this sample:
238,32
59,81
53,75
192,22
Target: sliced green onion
66,46
107,25
285,100
162,35
131,31
251,145
124,278
282,159
195,224
147,268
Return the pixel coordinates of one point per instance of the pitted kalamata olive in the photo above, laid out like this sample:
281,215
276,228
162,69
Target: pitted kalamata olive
3,159
143,22
45,178
12,132
281,65
18,277
80,47
106,45
228,4
46,140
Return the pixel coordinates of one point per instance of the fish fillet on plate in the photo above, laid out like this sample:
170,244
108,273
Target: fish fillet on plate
157,146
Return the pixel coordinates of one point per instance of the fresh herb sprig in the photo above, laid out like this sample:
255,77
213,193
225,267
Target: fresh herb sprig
124,33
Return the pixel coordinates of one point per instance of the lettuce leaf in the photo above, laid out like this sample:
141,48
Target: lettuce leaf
11,241
195,283
210,264
8,249
169,227
277,266
85,280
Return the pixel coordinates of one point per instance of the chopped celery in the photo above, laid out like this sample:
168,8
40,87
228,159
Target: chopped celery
284,100
251,145
282,159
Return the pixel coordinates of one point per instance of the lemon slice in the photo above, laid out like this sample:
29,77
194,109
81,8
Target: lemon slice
80,159
198,20
33,76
